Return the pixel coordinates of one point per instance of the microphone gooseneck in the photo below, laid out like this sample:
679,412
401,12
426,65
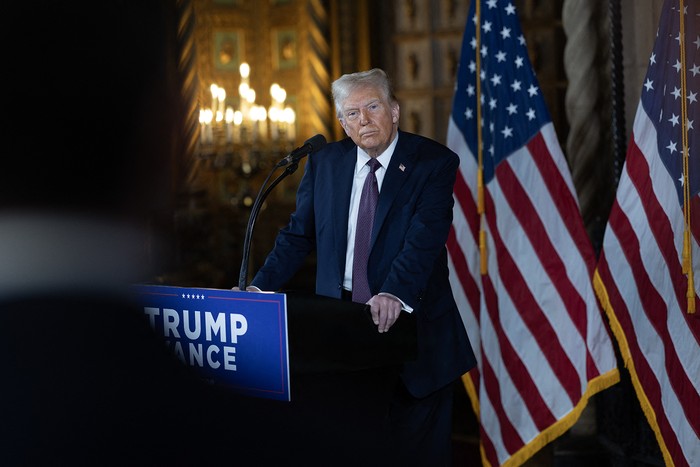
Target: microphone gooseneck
310,146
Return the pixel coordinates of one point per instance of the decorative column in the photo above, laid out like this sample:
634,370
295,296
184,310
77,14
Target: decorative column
588,147
321,115
617,78
189,84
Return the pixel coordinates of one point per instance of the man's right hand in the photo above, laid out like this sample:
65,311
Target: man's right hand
249,288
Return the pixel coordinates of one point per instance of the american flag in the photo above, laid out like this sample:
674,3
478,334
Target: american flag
640,276
532,314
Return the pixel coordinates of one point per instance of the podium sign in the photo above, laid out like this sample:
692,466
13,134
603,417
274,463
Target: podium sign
232,338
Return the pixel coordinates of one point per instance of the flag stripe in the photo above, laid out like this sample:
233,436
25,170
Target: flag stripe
554,171
658,224
467,203
695,220
490,438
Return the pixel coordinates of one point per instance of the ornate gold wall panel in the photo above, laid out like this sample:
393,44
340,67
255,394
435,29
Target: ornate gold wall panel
283,41
425,48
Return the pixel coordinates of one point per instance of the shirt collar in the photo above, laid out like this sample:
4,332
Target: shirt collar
384,158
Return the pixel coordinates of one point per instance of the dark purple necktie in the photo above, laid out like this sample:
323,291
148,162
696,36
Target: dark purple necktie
365,219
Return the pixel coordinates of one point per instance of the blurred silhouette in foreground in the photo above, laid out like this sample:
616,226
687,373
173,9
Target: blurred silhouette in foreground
89,159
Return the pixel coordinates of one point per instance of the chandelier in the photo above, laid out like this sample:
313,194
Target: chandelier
247,136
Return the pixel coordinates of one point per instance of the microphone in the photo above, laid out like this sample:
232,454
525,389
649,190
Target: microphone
310,146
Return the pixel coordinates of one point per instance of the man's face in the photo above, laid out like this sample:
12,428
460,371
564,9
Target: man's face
370,121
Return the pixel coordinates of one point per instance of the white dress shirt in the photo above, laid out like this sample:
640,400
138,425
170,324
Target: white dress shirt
361,171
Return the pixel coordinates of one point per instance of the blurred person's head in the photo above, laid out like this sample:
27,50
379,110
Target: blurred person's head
93,104
91,146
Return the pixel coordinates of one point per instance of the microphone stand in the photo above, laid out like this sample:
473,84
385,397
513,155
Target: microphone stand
259,199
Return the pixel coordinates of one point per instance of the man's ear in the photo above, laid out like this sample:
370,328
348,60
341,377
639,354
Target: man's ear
395,111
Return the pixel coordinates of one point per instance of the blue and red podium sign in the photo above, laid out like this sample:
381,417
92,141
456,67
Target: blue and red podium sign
237,339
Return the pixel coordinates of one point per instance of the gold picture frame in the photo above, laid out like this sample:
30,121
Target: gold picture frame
227,50
285,50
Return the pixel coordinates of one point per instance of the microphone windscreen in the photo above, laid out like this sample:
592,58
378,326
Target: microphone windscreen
315,143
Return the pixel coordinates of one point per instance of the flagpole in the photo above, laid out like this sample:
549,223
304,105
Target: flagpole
687,250
618,91
479,145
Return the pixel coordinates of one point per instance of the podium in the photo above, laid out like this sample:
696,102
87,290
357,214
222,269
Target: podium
343,375
254,342
89,381
331,335
330,403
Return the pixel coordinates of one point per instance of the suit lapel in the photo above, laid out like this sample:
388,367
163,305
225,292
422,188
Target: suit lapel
340,189
400,168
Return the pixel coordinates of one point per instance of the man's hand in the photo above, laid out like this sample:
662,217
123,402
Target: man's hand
249,288
385,311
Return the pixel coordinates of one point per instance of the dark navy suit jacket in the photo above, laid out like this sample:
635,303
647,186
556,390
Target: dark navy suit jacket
408,257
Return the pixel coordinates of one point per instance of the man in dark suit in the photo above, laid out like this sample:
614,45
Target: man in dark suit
406,269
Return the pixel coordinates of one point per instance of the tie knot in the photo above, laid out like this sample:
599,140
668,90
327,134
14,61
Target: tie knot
374,164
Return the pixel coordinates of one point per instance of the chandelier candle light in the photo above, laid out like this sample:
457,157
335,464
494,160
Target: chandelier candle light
247,125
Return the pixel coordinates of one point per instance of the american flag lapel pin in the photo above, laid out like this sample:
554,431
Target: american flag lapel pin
402,167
